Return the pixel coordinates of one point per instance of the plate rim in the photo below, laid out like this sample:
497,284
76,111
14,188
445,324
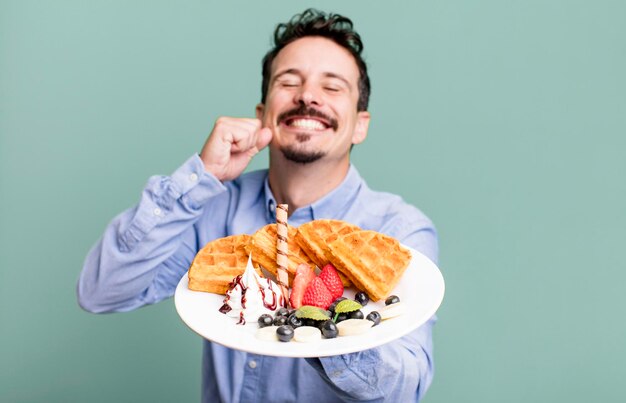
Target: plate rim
360,343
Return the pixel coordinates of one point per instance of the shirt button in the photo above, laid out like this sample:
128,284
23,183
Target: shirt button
157,211
193,177
252,364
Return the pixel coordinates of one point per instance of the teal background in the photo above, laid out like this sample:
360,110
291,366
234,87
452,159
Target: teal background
503,120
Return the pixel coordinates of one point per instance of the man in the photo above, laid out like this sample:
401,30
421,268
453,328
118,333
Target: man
313,110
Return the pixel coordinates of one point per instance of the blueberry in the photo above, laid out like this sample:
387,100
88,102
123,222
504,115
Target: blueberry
284,333
310,322
374,316
294,321
329,329
334,304
265,320
282,312
362,298
356,315
280,320
341,317
392,299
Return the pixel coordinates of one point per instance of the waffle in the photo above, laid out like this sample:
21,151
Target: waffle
372,261
314,236
215,265
262,246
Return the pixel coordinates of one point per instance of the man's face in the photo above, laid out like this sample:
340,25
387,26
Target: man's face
311,102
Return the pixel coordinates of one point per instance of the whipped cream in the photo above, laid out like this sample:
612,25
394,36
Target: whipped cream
250,295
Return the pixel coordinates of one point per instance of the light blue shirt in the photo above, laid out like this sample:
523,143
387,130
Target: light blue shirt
146,250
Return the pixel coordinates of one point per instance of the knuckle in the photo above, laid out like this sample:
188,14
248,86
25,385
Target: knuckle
221,121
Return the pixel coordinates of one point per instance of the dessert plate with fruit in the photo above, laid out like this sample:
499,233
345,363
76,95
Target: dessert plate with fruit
324,319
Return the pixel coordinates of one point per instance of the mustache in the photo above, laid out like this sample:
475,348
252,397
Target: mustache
304,110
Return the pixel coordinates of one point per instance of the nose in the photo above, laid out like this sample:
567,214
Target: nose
308,96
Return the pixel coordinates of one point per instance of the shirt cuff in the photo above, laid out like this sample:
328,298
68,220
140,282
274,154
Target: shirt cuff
196,185
189,184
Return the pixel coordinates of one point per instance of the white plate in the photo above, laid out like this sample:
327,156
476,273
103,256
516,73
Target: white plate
421,289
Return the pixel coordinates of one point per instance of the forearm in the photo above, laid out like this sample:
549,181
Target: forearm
145,249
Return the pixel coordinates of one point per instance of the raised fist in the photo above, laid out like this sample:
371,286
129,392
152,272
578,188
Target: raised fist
232,144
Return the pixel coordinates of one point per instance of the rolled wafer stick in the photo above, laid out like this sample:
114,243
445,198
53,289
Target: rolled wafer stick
282,250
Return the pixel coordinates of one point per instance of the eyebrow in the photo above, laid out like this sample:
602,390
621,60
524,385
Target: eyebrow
326,74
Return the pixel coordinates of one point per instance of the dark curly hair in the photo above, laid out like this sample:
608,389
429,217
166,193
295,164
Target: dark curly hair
335,27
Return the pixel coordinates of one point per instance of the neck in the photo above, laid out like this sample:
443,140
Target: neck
299,185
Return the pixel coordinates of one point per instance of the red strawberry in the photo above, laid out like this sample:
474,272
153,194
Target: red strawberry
332,281
317,294
304,275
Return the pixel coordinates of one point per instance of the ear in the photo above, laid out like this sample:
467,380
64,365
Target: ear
260,108
362,125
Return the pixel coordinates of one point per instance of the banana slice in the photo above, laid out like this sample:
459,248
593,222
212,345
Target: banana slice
267,333
352,327
391,311
307,334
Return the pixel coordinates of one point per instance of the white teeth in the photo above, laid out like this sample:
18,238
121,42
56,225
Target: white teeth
307,124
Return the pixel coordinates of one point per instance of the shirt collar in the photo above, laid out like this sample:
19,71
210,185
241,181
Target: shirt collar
326,207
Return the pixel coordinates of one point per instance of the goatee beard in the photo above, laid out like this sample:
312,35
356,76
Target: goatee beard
293,153
301,156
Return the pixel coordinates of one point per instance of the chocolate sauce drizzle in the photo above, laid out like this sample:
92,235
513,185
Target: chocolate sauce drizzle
237,282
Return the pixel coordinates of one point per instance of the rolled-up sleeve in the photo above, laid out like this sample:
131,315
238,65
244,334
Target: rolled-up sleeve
146,248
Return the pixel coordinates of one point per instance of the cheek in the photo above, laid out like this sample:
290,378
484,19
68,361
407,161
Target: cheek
275,106
278,97
348,116
347,108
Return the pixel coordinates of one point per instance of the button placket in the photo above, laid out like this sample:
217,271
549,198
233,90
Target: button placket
251,378
272,209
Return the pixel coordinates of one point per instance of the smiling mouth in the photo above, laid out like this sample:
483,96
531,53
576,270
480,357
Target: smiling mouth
307,118
306,123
